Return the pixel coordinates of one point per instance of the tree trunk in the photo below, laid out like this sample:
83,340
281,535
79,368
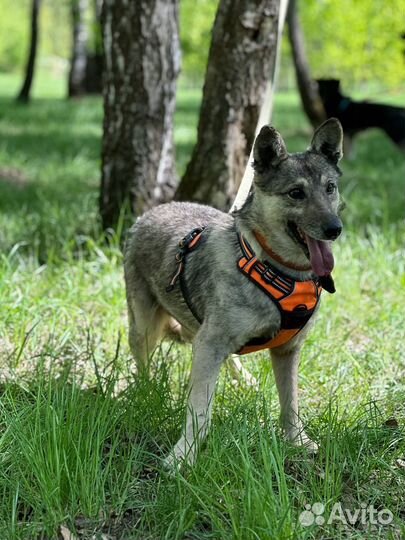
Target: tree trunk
78,64
94,67
24,95
241,60
94,74
307,87
142,61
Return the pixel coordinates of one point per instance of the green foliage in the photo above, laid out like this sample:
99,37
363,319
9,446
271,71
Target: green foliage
15,24
355,41
13,33
196,20
55,28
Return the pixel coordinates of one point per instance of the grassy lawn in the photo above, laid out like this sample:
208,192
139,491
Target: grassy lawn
81,438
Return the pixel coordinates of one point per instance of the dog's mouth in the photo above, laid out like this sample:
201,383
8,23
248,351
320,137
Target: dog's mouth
318,252
298,236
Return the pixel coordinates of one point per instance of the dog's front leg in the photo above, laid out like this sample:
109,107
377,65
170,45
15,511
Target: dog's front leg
208,355
285,366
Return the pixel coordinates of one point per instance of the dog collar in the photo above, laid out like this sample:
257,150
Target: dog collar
267,249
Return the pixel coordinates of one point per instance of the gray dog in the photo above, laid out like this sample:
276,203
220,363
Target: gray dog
241,282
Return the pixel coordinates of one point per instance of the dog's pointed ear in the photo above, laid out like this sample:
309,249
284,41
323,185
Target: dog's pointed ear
269,149
328,140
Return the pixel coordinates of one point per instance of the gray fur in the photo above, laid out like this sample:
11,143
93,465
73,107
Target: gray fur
233,309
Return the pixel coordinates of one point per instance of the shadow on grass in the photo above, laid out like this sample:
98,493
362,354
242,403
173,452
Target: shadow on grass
44,109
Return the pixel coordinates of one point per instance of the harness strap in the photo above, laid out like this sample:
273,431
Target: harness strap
295,300
186,245
343,104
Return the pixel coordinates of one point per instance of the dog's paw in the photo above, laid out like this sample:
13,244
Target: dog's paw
178,458
301,440
241,374
309,445
171,465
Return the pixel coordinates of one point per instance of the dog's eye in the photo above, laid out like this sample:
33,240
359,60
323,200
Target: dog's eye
331,188
297,193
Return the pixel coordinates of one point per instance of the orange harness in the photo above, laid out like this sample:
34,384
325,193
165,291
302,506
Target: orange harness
295,300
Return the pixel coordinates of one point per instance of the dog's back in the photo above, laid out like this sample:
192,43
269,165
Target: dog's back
150,262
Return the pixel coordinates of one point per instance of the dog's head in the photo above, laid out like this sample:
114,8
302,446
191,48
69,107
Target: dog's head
296,195
328,88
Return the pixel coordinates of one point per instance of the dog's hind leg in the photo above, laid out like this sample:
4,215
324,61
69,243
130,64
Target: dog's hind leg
147,321
240,373
177,332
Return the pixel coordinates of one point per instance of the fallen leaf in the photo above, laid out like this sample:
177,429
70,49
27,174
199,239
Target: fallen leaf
67,534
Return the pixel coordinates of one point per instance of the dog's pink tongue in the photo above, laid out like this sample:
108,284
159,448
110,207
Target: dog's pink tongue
321,256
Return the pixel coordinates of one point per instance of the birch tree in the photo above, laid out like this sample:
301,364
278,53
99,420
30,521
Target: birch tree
77,74
240,62
142,62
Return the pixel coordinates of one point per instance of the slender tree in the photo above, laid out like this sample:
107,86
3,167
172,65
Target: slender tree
94,67
311,102
142,61
24,95
241,60
78,63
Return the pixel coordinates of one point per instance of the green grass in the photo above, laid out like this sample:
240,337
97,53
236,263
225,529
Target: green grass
81,438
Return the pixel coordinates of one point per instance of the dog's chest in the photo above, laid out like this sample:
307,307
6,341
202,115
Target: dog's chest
249,298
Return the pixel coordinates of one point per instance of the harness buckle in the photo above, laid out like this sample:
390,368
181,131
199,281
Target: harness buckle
186,241
185,246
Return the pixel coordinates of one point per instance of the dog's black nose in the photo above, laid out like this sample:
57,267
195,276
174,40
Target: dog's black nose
333,230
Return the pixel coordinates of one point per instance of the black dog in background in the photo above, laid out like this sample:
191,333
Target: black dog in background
356,116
